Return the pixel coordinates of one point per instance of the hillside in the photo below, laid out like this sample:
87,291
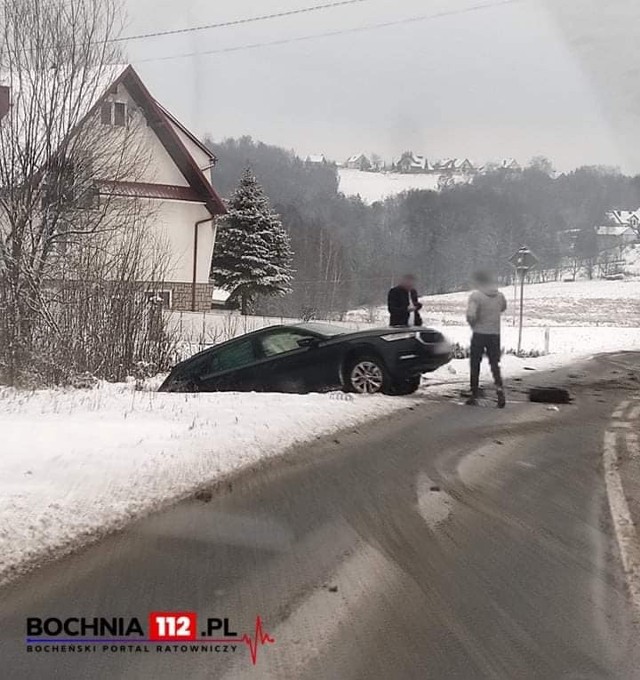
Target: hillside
376,186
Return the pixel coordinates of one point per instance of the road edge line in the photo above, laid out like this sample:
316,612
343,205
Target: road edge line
625,531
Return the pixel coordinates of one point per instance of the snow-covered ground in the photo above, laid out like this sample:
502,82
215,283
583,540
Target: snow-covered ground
376,186
578,303
78,463
75,462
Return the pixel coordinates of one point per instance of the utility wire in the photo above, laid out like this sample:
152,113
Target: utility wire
239,22
357,29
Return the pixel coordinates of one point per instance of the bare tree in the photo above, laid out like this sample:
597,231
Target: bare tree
63,220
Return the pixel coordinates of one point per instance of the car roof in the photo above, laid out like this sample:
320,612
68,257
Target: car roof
311,326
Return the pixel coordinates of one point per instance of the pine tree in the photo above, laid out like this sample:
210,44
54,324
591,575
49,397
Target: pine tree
252,254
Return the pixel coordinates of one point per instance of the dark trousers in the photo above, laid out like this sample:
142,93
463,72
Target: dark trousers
481,343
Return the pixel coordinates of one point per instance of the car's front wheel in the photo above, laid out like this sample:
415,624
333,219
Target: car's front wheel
367,375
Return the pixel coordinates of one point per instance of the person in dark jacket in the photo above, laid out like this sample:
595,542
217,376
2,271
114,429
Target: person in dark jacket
403,303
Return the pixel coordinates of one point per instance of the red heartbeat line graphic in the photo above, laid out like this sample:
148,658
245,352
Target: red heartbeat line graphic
260,637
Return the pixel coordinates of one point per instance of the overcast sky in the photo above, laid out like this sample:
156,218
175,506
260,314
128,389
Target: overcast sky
514,80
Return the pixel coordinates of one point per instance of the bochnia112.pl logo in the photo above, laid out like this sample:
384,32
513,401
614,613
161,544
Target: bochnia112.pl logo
161,632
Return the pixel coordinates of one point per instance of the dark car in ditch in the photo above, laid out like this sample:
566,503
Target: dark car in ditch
314,357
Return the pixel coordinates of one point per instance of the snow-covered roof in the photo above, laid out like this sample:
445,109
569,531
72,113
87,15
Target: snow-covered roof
624,217
417,161
448,164
616,230
316,158
356,158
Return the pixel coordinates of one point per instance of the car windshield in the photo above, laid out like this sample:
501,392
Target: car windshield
325,329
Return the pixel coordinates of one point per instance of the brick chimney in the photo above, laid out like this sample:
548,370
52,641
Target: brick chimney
5,101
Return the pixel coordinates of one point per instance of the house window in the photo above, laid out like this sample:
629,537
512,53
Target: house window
60,186
161,297
113,113
88,197
105,113
119,114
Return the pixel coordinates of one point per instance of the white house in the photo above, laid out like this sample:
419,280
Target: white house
174,181
413,163
510,165
627,218
611,236
358,162
177,181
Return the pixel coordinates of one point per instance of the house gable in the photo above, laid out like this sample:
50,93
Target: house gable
173,162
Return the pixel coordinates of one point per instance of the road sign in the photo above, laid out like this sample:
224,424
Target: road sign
523,259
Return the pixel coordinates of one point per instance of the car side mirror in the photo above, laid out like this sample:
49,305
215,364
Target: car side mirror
308,342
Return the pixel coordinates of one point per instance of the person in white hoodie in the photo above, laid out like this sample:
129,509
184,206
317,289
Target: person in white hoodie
486,306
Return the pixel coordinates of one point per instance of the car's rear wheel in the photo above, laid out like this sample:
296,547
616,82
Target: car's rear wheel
407,386
367,375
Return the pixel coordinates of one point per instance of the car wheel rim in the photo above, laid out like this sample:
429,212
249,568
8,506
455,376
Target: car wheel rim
366,377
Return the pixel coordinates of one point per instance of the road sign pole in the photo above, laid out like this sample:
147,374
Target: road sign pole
522,273
523,260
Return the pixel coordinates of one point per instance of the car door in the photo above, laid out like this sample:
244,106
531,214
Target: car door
286,366
230,367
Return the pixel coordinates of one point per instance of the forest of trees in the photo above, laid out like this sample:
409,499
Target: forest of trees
347,253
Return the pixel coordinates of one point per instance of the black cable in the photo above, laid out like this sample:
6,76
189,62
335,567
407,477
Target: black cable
358,29
238,22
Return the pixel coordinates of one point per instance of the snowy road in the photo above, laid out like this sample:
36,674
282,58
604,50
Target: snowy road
443,542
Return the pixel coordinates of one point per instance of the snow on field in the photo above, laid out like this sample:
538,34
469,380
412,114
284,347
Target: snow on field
376,186
579,303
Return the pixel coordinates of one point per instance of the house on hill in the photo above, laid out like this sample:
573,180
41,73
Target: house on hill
411,163
626,218
612,236
173,182
465,166
358,162
510,165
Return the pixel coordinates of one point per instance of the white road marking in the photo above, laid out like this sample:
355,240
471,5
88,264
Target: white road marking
625,530
634,413
618,413
622,425
311,628
633,445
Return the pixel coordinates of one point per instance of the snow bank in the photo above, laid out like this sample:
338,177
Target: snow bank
77,462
